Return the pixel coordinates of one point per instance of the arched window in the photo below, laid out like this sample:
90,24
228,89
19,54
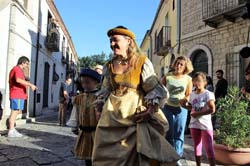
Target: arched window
200,61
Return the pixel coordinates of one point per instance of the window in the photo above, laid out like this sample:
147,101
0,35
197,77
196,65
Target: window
24,3
156,38
29,7
48,22
148,54
63,46
234,69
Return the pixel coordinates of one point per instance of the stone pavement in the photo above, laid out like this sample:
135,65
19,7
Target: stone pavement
46,143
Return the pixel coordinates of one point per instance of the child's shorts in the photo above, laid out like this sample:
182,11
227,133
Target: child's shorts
17,104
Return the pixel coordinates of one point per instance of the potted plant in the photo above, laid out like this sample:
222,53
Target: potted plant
232,137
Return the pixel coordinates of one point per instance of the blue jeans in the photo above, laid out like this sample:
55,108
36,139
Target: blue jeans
177,117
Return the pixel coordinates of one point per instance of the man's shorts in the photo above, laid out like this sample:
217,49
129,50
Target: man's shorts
17,104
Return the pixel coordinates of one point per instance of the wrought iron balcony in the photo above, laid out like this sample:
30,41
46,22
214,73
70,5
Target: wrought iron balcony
66,60
52,39
216,11
71,68
163,42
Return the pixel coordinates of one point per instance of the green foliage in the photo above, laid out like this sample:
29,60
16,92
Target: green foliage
234,120
93,60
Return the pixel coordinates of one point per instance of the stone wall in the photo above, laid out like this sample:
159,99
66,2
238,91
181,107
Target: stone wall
227,38
191,16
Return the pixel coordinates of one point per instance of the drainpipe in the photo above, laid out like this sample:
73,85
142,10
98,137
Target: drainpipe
37,55
178,26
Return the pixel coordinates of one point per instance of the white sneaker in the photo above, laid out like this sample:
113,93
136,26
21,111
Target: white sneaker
179,163
14,134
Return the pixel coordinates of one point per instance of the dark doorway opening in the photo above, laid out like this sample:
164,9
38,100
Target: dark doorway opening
46,84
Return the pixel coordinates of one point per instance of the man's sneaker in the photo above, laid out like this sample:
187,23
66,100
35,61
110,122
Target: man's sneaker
181,162
14,134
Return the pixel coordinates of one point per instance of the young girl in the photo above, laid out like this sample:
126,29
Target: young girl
87,120
202,106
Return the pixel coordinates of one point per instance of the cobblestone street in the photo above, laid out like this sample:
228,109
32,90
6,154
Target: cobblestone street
46,143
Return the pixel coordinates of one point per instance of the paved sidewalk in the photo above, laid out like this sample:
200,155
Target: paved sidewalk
46,143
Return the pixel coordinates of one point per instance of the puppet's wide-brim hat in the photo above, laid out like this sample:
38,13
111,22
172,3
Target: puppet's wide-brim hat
91,73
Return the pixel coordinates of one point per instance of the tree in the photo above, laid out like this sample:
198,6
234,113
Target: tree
86,62
93,60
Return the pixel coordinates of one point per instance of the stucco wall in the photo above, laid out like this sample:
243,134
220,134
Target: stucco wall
165,10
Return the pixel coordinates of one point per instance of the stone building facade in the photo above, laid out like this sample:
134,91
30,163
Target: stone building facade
212,36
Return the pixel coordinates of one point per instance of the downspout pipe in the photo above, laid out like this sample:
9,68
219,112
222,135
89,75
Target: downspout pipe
178,26
37,55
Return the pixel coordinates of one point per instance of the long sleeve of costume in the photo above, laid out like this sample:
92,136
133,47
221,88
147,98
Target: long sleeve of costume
156,93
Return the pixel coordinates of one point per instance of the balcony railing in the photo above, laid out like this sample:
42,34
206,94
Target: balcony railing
71,68
215,11
52,39
163,40
66,60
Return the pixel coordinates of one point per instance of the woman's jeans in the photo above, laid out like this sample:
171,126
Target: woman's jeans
177,117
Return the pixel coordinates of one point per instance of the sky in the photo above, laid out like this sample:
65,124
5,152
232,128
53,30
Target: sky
88,21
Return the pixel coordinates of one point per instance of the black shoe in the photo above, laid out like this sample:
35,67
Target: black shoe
75,131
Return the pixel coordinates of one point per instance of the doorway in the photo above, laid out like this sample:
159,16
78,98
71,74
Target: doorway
46,84
200,61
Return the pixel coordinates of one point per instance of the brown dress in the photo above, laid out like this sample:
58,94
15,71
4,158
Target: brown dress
119,140
87,123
